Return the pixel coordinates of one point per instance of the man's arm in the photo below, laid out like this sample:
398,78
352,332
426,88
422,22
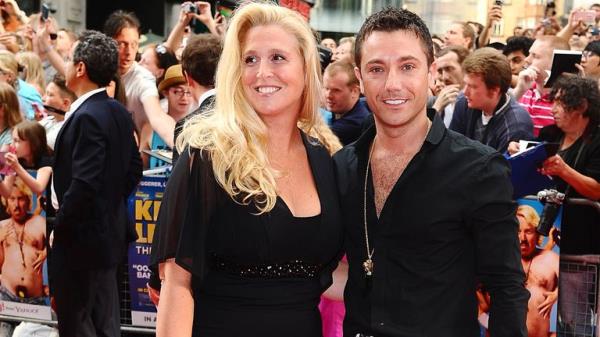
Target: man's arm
567,31
494,16
494,227
162,124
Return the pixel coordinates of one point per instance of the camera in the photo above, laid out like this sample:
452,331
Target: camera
189,7
324,56
552,200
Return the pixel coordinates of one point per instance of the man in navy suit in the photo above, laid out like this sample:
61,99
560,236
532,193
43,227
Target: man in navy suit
96,167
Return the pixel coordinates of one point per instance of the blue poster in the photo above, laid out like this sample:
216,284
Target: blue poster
144,205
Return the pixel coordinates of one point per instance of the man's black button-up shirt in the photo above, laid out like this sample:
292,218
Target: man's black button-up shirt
448,224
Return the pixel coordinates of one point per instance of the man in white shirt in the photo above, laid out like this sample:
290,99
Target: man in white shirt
140,84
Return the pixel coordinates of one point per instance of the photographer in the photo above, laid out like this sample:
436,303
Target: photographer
576,169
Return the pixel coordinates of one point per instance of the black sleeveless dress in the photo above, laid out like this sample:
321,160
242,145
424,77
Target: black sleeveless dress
252,275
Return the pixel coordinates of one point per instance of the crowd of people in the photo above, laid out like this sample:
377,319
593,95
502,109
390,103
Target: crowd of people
364,177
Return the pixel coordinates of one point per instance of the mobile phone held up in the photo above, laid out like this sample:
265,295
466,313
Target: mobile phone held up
45,12
225,7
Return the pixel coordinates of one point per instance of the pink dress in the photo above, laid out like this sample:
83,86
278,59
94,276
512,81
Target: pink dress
332,315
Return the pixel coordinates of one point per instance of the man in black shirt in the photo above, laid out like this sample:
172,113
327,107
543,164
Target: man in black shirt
428,212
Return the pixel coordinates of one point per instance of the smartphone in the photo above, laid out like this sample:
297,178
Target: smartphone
225,8
499,2
45,12
587,17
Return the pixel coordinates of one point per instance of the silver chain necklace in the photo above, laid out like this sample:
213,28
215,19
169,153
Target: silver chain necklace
368,264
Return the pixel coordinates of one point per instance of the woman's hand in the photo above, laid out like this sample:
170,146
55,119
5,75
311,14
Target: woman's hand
554,166
12,160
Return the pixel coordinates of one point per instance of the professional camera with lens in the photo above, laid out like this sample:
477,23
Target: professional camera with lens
552,200
324,56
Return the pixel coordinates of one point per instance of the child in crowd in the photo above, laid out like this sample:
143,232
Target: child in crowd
28,151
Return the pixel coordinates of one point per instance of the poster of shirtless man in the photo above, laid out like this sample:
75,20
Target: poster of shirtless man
540,265
22,252
541,262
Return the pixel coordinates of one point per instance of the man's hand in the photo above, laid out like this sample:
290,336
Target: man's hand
530,75
184,16
204,13
446,96
39,261
573,23
545,307
10,42
494,15
580,69
513,147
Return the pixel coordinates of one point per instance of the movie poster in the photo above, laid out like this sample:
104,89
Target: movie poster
24,290
541,263
144,205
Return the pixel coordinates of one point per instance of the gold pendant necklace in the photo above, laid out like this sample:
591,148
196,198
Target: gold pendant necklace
368,265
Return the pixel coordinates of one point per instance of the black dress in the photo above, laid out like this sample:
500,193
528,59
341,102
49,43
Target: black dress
252,275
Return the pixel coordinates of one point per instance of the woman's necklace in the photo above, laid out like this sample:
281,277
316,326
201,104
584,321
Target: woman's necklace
368,264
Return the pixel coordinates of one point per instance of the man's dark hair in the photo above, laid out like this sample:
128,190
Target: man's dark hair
516,43
573,91
100,54
65,92
119,20
593,47
390,20
200,58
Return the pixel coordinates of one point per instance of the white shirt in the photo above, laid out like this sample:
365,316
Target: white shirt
139,83
205,95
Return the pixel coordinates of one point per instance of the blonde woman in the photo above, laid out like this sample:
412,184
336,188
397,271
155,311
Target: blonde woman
9,113
33,71
260,234
9,73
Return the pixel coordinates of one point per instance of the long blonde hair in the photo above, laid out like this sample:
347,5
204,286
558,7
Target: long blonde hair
9,102
234,135
34,71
